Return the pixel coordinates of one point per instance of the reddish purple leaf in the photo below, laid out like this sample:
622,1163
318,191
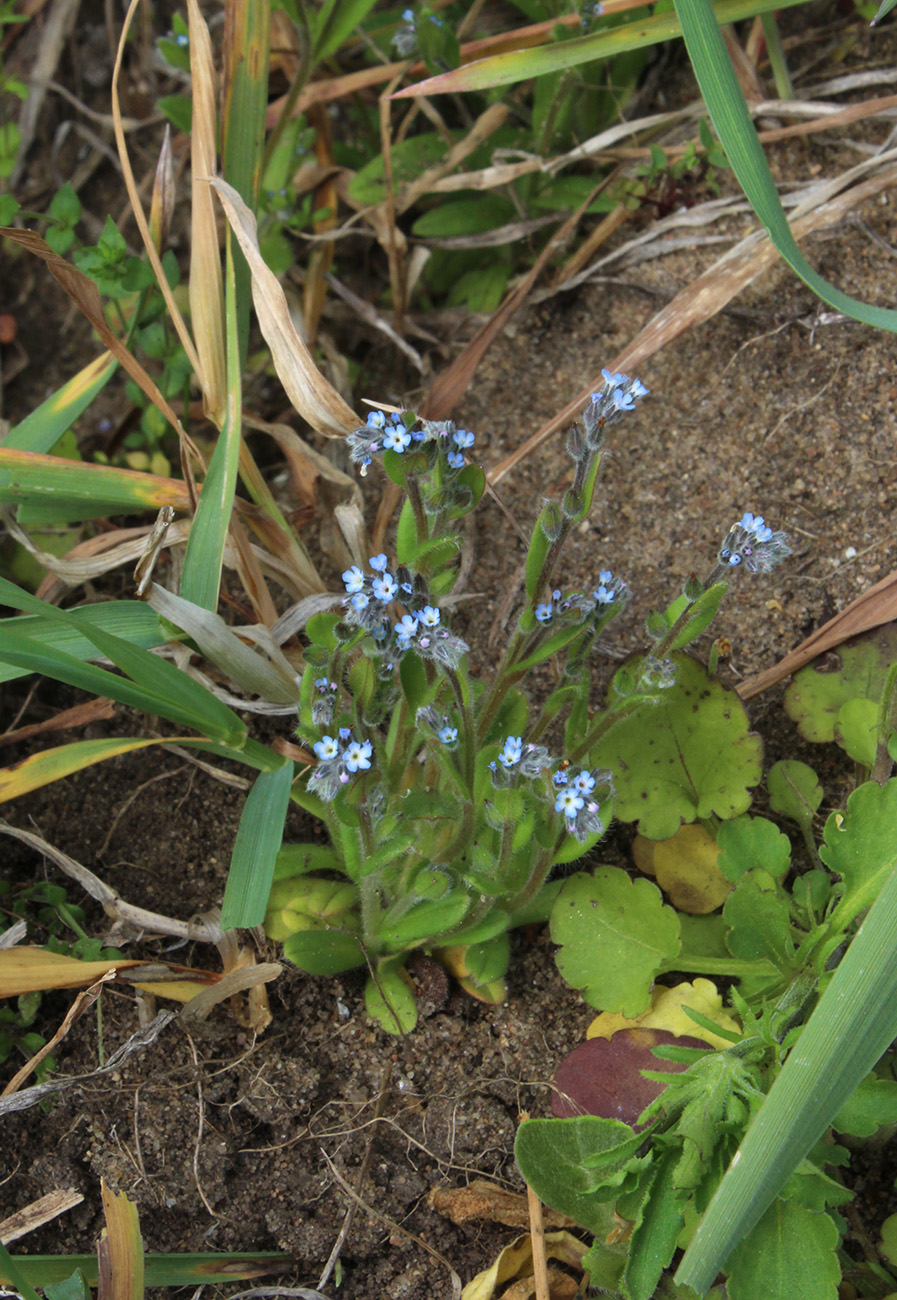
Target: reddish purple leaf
602,1076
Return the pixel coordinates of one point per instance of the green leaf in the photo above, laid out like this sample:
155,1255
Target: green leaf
259,838
426,921
133,620
362,682
334,22
179,111
413,676
856,730
872,1105
73,1288
749,842
725,102
389,999
323,952
757,913
790,1253
702,614
409,160
856,671
616,934
691,755
468,216
861,847
656,1230
794,791
488,960
576,1165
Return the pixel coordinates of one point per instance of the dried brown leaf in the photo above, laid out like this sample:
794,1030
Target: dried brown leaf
483,1200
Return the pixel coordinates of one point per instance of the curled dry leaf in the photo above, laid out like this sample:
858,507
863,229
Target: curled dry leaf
487,1201
316,400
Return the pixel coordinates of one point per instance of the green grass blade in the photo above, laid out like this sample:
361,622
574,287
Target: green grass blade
130,619
519,65
852,1026
156,686
334,22
258,839
43,428
205,547
12,1273
57,491
246,47
160,1270
725,103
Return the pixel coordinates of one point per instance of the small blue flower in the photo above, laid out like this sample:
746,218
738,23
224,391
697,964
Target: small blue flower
560,778
402,643
556,594
359,600
604,595
463,439
612,381
326,748
638,389
376,420
357,756
544,613
396,439
584,783
345,733
754,524
406,627
406,587
448,735
408,15
379,562
354,579
322,683
605,577
623,401
385,588
456,459
510,754
429,616
569,802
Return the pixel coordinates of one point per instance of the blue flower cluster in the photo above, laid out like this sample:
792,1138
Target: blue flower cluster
575,799
388,432
366,604
610,591
752,543
515,757
336,764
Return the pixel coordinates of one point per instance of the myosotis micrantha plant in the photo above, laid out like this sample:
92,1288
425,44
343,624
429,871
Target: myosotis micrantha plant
446,811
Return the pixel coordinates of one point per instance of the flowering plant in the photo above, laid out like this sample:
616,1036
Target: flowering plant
447,812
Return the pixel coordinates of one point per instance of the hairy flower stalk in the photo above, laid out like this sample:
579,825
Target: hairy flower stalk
446,811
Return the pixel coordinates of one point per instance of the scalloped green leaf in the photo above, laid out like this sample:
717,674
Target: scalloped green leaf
757,914
749,842
691,755
872,1105
794,791
615,934
856,730
861,847
856,671
791,1252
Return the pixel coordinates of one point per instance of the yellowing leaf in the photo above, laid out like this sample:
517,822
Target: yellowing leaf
666,1012
685,867
30,970
516,1261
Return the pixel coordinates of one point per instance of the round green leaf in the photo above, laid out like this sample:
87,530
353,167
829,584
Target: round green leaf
856,671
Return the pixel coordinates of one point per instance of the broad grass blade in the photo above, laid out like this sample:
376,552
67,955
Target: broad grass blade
852,1026
725,102
54,764
156,686
259,837
160,1270
46,424
59,491
204,559
519,65
316,400
130,619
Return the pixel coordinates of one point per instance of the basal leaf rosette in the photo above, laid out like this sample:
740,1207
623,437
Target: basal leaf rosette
699,759
615,936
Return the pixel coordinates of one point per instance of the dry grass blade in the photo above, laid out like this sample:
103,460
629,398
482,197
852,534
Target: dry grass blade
316,400
876,606
120,1249
82,715
206,280
83,1002
39,1212
710,292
